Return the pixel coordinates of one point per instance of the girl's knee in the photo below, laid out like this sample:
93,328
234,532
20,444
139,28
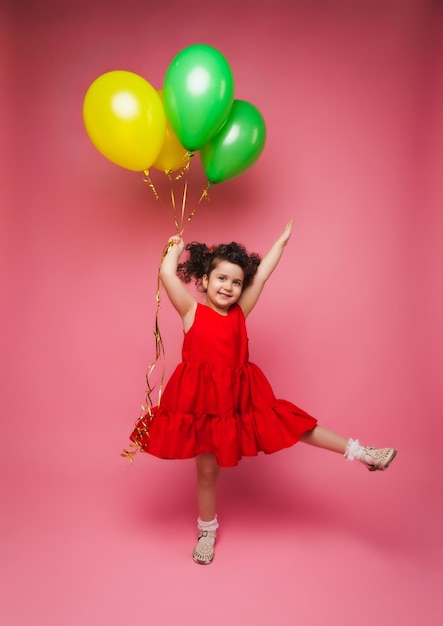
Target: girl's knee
207,468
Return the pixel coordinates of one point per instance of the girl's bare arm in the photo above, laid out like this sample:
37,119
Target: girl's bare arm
180,298
251,294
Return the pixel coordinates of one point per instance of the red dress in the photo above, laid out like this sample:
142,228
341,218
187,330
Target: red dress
217,401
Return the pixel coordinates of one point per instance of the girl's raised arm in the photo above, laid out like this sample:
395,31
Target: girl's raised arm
180,298
250,295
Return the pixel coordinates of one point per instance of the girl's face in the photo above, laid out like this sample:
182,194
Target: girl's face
223,286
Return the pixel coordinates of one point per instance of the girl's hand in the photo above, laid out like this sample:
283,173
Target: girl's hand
176,240
284,237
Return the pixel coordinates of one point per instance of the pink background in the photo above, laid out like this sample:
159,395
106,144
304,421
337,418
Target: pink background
349,327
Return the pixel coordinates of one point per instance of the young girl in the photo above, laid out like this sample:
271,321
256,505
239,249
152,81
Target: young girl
217,406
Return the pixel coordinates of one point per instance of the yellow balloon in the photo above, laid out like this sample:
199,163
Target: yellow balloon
172,155
125,120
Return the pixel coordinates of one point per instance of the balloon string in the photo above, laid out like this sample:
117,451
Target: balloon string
144,421
204,195
149,182
188,156
159,347
171,188
183,174
185,193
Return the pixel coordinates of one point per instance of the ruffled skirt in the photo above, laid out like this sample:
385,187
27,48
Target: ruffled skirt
230,412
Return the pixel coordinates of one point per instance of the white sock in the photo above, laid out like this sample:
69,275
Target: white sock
212,525
356,451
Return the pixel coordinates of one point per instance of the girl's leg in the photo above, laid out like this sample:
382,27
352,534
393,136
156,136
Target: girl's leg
207,475
322,437
374,459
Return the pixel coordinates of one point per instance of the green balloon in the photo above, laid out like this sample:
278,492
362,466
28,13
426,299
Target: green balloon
237,145
198,93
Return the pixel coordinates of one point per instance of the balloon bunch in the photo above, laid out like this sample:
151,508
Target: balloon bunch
138,127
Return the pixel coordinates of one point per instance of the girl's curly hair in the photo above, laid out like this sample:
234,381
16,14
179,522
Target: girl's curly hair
202,260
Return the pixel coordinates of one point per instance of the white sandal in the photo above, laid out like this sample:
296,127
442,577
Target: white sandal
380,459
373,458
203,552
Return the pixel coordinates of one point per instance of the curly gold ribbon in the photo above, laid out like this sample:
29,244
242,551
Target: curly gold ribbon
205,195
150,184
143,423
